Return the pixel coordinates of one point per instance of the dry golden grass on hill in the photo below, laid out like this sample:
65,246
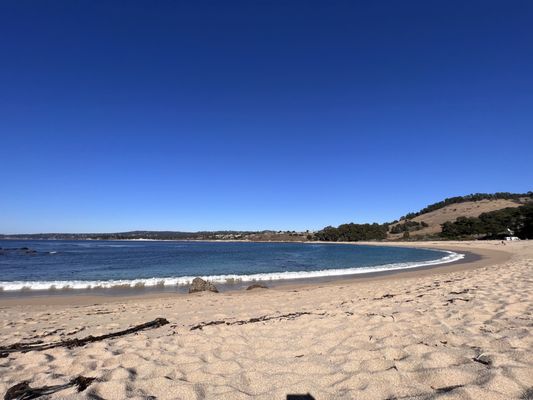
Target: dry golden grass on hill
450,213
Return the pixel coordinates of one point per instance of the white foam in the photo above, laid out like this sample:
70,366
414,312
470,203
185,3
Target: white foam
185,280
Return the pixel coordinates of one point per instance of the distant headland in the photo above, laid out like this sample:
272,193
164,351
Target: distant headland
474,216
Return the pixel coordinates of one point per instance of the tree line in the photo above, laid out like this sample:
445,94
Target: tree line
488,225
493,224
408,226
353,232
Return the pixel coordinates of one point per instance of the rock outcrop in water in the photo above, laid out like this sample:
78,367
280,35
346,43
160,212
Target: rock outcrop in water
199,285
17,250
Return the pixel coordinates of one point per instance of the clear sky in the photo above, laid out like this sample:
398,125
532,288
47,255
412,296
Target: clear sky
198,115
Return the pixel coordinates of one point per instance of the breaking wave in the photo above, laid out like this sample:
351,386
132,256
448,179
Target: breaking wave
185,280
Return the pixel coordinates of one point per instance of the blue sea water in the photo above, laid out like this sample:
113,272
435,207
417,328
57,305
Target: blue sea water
57,264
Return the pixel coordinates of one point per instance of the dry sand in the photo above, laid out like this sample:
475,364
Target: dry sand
455,332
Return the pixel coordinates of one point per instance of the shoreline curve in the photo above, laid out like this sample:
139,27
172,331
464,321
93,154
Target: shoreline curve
473,257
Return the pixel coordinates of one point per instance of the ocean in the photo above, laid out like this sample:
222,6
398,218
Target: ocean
50,265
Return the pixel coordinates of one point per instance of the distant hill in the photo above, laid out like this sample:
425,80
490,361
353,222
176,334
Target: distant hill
427,223
260,236
459,215
519,197
449,213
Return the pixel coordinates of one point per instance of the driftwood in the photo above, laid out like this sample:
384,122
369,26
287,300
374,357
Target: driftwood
70,343
446,389
251,320
482,359
23,391
460,291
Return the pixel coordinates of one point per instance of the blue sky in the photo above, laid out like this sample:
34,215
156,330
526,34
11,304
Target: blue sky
257,114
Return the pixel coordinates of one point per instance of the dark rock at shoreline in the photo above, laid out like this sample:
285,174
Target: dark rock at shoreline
256,286
199,285
24,250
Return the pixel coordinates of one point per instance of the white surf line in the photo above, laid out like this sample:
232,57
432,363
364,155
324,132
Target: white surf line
186,280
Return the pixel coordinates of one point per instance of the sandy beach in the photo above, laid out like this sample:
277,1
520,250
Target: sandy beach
458,331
